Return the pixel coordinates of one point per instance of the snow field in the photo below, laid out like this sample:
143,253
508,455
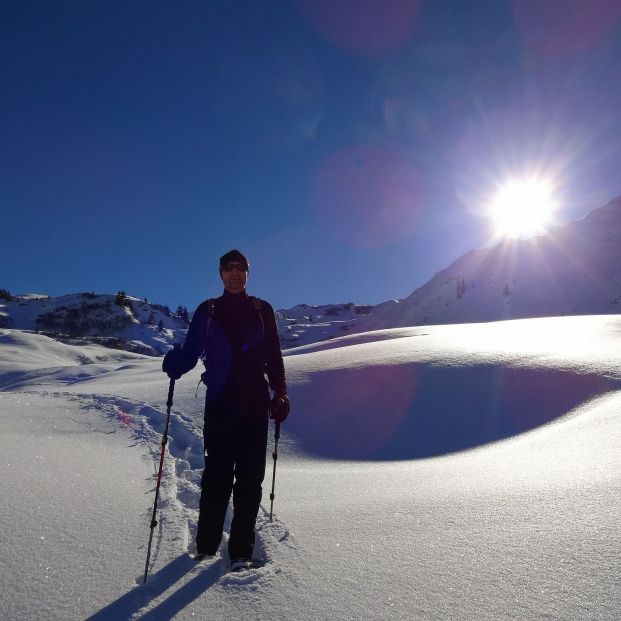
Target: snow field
69,486
522,525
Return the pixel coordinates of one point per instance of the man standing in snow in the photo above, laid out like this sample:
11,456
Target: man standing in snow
235,336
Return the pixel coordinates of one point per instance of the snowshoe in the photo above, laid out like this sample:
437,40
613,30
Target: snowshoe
240,564
243,564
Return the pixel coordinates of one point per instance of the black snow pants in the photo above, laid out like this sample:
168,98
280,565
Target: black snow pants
235,436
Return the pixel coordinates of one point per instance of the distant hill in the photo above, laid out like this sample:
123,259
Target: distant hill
118,321
572,270
304,324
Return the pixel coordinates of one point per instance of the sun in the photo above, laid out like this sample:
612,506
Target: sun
523,207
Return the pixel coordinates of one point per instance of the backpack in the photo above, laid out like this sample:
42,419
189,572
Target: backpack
211,311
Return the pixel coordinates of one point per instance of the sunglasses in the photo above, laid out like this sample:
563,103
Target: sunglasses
229,267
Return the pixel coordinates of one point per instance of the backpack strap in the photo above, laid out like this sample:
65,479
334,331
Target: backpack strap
258,304
211,309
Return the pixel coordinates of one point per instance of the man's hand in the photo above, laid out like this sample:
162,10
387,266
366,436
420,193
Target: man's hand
280,407
173,363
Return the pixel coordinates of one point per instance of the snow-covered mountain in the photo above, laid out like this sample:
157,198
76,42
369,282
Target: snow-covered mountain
572,270
304,324
117,321
126,322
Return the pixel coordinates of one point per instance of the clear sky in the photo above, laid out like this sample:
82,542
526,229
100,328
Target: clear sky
348,147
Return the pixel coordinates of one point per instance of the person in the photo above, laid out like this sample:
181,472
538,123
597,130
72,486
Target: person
235,335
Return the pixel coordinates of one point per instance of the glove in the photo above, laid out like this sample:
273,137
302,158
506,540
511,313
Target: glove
280,406
173,363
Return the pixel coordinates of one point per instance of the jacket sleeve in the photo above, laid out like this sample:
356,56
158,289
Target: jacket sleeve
195,339
275,367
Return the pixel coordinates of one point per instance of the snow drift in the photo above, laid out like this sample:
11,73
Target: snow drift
381,509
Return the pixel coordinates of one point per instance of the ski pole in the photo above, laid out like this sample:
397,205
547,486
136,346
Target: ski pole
275,456
169,403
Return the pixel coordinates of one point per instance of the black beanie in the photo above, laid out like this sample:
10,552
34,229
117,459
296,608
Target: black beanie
234,256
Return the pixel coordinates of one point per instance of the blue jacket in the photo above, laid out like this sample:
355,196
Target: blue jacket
236,337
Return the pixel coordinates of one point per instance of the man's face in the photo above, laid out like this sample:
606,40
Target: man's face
234,276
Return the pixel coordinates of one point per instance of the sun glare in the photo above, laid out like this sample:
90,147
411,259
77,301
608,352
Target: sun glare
522,208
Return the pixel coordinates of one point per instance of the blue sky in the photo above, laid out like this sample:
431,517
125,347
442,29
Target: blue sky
346,147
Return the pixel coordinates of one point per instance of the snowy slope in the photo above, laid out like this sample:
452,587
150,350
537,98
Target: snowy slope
304,324
89,317
136,325
445,472
572,270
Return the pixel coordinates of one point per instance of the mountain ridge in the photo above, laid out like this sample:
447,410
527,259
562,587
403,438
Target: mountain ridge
573,269
117,321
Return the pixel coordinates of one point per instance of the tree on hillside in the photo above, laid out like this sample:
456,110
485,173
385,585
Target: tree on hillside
5,294
122,300
182,313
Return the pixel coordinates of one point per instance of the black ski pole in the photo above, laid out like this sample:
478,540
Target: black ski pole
275,456
169,403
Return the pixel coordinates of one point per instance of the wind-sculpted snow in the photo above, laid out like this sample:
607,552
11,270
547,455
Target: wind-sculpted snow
420,392
414,410
524,528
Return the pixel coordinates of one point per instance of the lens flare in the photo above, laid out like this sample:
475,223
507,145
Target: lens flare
363,27
523,207
558,28
368,195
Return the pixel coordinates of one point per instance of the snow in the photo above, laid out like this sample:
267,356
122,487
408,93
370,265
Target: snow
69,485
438,472
305,324
571,270
89,317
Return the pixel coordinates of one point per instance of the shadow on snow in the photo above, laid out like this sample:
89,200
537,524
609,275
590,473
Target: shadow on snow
131,603
414,411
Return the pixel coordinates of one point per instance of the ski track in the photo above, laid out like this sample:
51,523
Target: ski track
179,498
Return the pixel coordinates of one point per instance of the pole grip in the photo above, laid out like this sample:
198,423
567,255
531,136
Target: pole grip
171,390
